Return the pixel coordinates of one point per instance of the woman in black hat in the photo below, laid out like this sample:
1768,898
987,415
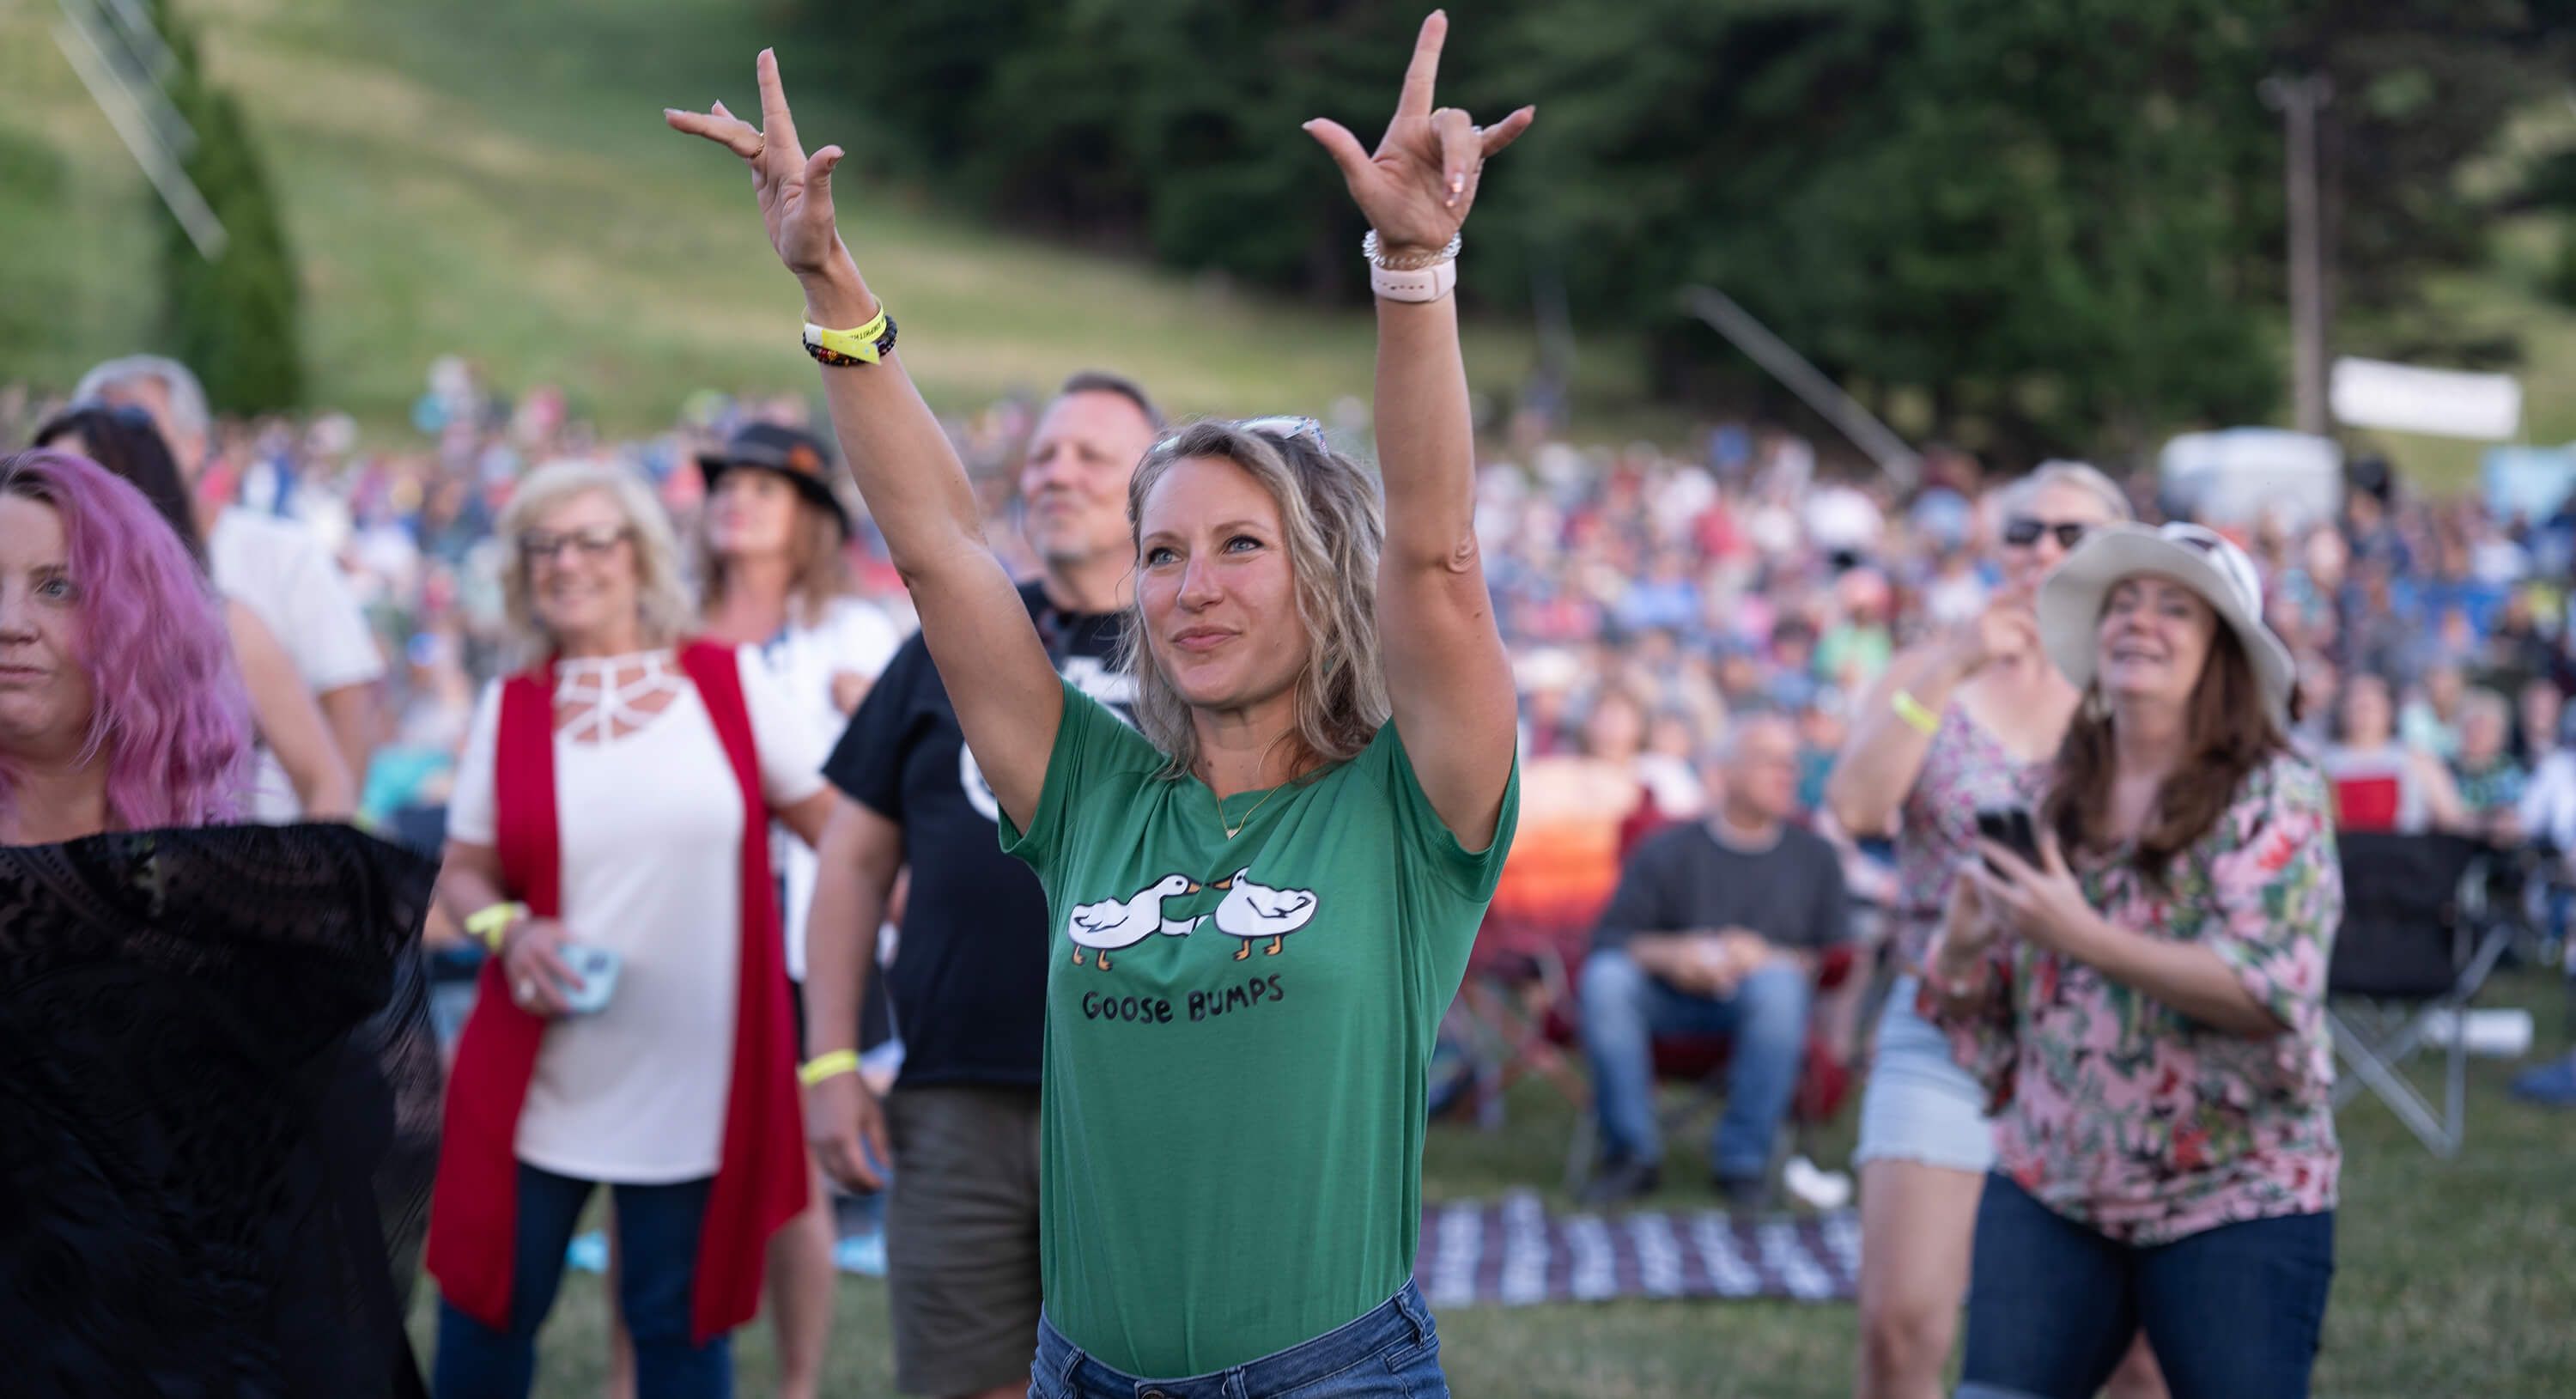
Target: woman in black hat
773,563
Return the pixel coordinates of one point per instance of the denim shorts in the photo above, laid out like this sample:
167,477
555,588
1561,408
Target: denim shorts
1920,1105
1392,1352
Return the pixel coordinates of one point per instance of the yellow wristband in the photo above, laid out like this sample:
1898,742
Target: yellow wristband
1911,710
868,344
490,925
831,1065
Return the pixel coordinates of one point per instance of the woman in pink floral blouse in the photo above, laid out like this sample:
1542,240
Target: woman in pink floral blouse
2146,1007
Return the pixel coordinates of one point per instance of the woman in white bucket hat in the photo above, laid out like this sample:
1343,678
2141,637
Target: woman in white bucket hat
1947,730
2146,1000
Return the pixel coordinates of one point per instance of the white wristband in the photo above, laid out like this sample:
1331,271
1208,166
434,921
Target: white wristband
1419,284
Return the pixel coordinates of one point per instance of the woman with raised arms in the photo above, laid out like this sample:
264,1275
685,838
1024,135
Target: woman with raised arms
1265,898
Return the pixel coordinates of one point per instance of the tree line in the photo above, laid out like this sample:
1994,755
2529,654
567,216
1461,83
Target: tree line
2033,227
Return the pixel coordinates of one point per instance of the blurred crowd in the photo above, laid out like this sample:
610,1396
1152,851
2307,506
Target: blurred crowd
1648,593
1692,630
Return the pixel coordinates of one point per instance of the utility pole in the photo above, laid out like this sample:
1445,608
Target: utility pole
2298,100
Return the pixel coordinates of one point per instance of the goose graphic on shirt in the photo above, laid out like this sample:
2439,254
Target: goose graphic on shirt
1115,924
1256,911
1250,912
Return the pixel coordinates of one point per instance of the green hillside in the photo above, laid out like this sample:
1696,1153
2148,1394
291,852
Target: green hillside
494,180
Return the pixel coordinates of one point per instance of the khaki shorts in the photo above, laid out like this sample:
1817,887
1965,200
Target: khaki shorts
962,1237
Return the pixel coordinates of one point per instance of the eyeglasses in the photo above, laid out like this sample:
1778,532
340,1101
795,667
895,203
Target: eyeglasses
594,542
1288,427
2022,531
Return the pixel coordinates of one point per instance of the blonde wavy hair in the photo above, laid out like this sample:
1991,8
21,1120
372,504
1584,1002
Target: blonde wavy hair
665,611
1335,525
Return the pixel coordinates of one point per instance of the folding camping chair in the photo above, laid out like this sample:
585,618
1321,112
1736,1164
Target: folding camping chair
2415,947
1509,1020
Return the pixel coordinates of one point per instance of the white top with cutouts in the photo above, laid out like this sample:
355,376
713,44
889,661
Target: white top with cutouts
651,822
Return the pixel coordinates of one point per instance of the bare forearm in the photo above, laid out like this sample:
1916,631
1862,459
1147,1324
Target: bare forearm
1425,434
856,861
1962,978
465,889
351,710
1008,698
295,730
1663,956
915,487
2188,977
840,946
1883,753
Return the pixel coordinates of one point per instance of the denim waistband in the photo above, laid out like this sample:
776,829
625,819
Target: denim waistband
1404,1319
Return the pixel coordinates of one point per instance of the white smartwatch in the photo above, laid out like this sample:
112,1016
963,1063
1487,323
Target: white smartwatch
1415,284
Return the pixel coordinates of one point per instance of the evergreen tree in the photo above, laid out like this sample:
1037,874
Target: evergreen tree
234,319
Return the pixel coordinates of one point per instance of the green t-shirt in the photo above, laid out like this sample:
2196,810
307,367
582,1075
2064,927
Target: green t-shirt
1238,1037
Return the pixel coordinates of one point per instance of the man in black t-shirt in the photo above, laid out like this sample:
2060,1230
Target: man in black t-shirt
968,979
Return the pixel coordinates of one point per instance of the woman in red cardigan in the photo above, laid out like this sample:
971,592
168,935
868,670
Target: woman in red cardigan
610,821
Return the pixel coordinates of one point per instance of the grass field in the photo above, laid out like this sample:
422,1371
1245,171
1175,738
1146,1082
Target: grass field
2455,1278
493,178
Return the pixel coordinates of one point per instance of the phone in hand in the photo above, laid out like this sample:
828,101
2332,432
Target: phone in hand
597,968
2012,828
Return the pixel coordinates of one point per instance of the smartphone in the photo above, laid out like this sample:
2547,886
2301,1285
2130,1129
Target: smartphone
597,968
2012,828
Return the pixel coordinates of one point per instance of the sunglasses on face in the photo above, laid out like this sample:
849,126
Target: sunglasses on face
594,542
2023,531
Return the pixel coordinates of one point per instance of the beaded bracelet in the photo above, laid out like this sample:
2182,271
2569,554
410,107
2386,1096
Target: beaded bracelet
1372,248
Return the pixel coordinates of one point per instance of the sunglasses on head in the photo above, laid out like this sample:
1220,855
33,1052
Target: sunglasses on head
1288,427
2022,531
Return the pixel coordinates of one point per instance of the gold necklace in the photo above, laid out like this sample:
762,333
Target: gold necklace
1237,828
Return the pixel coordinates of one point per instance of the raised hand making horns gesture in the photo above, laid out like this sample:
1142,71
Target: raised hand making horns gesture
1417,188
795,189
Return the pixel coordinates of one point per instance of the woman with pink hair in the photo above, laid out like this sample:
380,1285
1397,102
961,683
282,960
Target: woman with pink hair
197,1098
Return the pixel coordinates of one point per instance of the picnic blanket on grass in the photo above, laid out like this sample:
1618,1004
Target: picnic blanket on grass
1512,1252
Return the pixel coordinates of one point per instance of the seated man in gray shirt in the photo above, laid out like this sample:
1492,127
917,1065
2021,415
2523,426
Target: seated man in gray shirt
1714,929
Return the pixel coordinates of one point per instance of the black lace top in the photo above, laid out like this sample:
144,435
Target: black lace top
218,1112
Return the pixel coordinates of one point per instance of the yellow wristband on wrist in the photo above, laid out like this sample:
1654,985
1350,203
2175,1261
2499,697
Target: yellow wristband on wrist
868,344
491,924
1915,715
832,1065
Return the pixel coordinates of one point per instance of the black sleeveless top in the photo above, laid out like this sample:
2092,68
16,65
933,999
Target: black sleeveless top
218,1112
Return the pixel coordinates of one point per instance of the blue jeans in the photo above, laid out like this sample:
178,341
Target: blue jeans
1392,1352
1624,1008
657,1235
2232,1312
